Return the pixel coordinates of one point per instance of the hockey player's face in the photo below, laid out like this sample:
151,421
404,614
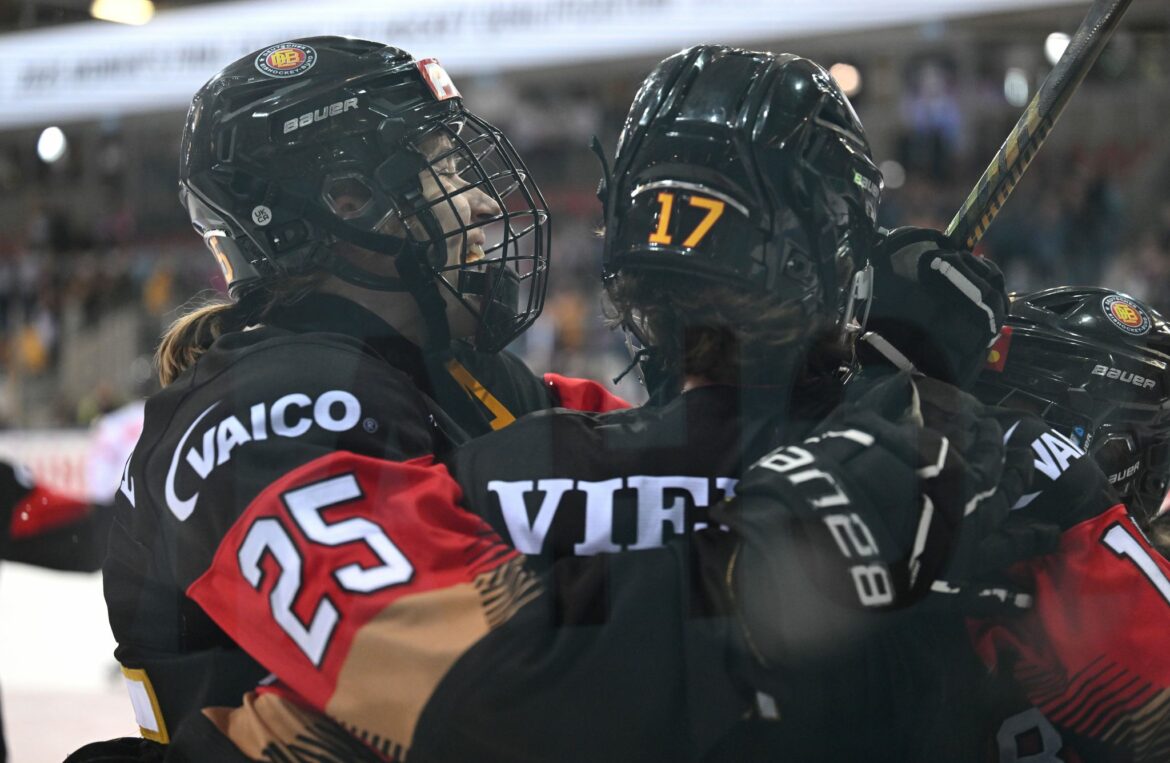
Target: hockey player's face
457,203
453,217
459,207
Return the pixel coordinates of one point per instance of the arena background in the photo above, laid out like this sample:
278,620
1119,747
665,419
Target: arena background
96,256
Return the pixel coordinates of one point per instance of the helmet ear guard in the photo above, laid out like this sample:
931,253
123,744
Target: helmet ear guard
855,314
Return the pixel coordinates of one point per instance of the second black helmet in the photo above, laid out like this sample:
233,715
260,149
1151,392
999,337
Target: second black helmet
749,168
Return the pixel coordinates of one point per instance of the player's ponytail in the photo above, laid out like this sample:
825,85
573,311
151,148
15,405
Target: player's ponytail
192,333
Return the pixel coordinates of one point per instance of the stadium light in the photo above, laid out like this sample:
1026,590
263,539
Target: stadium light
135,12
848,78
1054,46
51,146
893,174
1015,86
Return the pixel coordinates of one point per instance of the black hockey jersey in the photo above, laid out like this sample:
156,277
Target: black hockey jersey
1084,675
632,642
578,484
578,492
328,377
418,634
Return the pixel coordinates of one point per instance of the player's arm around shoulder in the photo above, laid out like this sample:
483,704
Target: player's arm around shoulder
359,582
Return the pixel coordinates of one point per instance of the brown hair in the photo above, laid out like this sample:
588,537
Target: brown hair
723,333
1159,533
193,332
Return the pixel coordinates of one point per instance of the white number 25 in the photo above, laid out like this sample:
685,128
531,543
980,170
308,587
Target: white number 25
305,505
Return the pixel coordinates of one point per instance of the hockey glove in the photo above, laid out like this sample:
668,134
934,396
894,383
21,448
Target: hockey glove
122,750
976,581
864,514
15,485
984,540
1064,487
934,307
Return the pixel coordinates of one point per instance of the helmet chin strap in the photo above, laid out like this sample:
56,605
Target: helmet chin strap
415,276
352,274
410,258
645,359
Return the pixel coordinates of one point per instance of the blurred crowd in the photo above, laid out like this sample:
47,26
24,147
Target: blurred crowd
1075,219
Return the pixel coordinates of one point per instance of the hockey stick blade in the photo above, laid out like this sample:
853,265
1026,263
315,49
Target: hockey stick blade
1009,163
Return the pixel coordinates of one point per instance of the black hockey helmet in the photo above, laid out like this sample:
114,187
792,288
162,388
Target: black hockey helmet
1095,365
313,141
749,168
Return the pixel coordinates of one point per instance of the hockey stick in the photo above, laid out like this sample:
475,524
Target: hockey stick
1016,153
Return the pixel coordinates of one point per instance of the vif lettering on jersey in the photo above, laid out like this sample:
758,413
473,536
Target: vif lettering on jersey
659,502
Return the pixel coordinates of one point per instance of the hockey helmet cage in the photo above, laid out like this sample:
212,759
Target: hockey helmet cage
748,168
1093,363
313,141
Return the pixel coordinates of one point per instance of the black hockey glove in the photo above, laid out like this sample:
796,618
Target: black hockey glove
1065,487
934,307
15,484
864,514
991,537
985,542
122,750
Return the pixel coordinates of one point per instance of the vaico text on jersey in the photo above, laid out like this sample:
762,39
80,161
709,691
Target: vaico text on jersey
290,416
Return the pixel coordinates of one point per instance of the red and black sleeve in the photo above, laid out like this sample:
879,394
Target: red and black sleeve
49,529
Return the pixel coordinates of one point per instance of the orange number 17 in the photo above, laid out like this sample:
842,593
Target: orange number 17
714,209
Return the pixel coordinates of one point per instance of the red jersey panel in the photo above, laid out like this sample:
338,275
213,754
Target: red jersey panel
583,395
358,583
1092,655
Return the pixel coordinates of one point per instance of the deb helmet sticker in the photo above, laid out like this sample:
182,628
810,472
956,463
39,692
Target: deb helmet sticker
1126,315
287,59
437,79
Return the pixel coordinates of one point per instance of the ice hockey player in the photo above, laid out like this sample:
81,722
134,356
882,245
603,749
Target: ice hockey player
1084,675
399,626
381,244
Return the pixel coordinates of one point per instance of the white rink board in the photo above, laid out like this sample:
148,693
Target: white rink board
57,458
44,727
95,70
61,686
